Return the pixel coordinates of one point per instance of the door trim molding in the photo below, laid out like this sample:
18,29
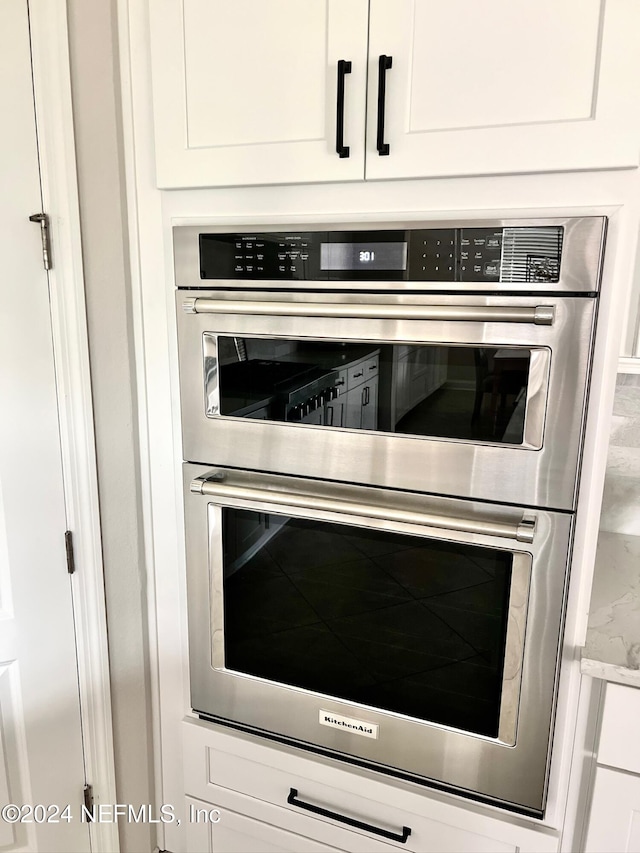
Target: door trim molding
54,121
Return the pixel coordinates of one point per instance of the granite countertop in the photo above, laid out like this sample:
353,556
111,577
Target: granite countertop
612,649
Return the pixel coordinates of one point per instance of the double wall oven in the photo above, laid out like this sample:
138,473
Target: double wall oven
382,431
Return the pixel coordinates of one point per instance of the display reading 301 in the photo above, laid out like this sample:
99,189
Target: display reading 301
105,813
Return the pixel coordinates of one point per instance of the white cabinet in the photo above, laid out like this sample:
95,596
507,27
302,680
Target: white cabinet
257,787
416,373
503,87
614,820
369,410
360,400
246,92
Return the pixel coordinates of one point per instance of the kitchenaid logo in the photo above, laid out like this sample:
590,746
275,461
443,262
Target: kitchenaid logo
356,727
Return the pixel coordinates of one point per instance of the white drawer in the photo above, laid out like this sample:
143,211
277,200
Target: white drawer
619,742
217,760
341,381
246,825
357,375
371,367
363,370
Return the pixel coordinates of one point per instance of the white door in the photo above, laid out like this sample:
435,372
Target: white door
41,760
501,87
247,92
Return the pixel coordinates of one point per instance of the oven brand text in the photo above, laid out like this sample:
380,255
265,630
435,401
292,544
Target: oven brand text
356,727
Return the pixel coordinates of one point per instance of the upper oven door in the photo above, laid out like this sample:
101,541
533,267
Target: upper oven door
476,396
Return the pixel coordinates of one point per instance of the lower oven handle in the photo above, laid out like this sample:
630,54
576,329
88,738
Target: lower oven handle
358,824
523,531
539,315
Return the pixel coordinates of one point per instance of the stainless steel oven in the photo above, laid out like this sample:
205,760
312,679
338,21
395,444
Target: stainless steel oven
415,633
467,376
382,430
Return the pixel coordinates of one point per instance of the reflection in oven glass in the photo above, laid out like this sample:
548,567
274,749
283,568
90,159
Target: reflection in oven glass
461,392
406,624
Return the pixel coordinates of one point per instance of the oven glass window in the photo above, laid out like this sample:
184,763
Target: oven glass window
459,392
410,625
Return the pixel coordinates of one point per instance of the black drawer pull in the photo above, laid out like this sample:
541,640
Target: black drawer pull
358,824
384,63
344,67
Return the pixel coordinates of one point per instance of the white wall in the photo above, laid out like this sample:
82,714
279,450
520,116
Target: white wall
95,89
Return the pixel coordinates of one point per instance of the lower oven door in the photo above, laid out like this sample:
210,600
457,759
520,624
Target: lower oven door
480,397
415,634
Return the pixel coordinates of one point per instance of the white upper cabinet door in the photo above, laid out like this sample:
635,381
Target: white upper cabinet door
503,87
246,92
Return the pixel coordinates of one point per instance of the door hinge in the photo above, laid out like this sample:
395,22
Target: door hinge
88,797
45,234
68,545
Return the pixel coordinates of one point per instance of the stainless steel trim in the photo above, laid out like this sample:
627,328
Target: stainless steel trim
537,397
545,315
541,315
514,647
217,488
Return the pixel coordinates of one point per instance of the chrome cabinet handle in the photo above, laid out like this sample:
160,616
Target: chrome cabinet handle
540,315
214,485
384,63
344,67
293,800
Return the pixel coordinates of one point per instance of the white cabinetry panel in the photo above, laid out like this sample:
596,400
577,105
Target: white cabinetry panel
245,84
246,92
614,826
498,36
619,744
233,832
499,87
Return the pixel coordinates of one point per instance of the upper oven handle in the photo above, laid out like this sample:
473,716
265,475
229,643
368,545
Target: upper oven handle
540,315
523,531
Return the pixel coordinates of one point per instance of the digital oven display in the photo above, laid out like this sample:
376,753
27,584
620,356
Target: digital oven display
363,256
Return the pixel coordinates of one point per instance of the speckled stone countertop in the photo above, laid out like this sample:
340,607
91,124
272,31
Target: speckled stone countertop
612,649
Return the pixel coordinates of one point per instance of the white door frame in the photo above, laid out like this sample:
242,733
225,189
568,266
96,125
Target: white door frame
54,120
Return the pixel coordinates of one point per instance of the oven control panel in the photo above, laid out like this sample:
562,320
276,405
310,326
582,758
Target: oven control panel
510,254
